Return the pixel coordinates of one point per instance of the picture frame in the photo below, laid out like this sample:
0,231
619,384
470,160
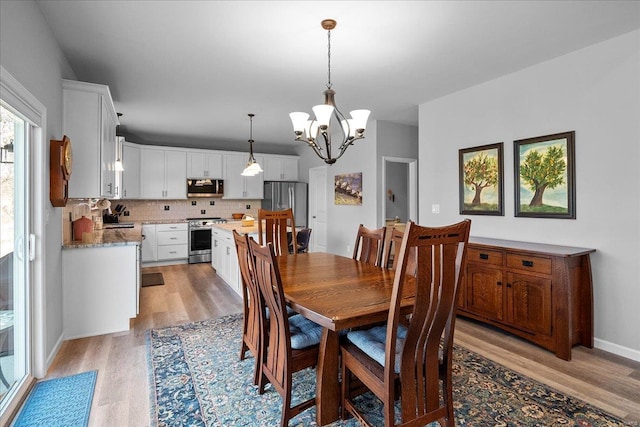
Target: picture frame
481,180
544,169
348,189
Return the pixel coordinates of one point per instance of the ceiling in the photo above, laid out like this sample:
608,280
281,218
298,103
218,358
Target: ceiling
186,73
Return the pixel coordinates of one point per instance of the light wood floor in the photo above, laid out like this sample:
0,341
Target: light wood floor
193,292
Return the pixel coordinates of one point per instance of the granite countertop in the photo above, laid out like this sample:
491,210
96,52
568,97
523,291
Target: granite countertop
109,237
164,221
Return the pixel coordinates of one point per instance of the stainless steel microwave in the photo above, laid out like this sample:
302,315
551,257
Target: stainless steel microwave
205,188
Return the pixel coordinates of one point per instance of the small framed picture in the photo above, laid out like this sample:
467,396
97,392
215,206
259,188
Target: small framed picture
481,180
545,176
348,189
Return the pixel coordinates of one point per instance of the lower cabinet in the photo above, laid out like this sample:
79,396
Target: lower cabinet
542,293
224,258
101,288
165,244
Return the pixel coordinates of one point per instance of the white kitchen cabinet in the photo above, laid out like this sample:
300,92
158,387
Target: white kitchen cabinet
90,120
280,168
204,164
130,183
163,173
172,241
224,258
149,243
237,186
100,289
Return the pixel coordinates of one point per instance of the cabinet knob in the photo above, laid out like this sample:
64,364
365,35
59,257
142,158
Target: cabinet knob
526,263
508,285
499,283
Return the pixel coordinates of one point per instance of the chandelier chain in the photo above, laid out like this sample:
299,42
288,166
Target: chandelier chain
329,59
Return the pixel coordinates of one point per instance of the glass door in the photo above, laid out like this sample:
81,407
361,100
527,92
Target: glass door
14,256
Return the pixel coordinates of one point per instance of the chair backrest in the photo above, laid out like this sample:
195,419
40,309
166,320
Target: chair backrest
441,254
273,227
369,244
250,291
267,275
304,235
391,254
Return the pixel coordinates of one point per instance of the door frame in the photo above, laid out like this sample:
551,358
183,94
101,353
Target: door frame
15,95
311,194
412,191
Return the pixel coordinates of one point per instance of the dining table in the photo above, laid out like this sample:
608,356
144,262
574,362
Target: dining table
338,293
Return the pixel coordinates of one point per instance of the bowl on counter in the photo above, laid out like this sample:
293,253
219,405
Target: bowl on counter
237,216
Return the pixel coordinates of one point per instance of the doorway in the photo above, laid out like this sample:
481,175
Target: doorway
399,190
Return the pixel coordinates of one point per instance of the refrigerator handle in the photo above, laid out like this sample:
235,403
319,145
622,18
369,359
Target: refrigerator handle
292,199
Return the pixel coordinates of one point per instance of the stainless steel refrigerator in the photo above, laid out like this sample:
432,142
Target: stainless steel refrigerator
280,195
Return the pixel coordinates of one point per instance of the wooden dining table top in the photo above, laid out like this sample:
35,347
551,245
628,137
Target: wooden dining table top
338,292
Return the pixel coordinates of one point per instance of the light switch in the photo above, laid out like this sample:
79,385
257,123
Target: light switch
435,209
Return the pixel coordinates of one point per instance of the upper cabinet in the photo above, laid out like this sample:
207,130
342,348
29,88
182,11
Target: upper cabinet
131,171
280,168
163,173
237,186
90,120
204,164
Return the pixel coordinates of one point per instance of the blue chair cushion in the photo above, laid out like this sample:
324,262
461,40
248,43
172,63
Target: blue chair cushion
372,342
304,332
290,312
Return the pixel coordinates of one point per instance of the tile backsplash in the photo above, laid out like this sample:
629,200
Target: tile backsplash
155,210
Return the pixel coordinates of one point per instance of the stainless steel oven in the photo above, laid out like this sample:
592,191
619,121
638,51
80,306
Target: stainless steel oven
200,238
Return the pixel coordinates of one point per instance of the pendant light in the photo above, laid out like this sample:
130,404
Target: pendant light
252,168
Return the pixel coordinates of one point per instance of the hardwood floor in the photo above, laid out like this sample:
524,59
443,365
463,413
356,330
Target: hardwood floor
193,292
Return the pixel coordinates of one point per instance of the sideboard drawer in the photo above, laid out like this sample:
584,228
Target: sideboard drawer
484,256
529,263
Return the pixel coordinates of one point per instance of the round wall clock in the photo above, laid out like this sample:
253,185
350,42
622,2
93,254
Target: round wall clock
60,166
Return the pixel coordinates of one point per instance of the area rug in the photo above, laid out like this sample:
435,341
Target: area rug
197,379
60,402
152,279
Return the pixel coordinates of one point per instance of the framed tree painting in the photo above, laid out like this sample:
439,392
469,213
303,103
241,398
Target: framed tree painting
480,182
545,176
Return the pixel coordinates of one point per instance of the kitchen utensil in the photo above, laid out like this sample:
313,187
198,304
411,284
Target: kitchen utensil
80,226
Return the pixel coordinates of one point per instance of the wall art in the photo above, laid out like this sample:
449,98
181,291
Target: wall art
348,189
545,176
480,182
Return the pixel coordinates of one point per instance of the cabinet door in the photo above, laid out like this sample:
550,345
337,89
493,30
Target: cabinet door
151,173
272,168
131,173
216,250
214,166
254,185
108,153
289,169
175,174
149,243
233,181
484,291
196,165
529,302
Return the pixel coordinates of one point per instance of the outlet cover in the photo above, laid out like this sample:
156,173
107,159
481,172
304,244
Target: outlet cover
212,202
248,206
435,209
193,203
126,213
166,207
202,211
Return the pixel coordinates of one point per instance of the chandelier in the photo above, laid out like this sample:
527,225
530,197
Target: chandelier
252,168
317,133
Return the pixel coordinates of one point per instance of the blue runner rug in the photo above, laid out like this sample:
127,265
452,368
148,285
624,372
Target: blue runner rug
59,402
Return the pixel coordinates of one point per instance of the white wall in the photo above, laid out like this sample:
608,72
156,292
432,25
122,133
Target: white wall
594,91
29,53
382,138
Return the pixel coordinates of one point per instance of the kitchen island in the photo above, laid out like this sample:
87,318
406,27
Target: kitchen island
101,282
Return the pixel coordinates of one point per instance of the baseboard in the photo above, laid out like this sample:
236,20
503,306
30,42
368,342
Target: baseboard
54,352
617,349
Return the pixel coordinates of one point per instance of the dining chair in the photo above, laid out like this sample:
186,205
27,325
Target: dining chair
291,343
392,252
302,244
369,244
273,227
413,361
252,325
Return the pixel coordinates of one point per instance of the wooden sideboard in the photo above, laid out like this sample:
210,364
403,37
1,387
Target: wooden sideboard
542,293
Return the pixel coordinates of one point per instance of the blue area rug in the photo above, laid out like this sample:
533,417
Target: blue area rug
60,402
197,379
